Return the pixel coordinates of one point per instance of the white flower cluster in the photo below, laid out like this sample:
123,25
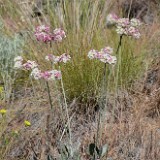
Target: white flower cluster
104,55
124,26
35,71
64,58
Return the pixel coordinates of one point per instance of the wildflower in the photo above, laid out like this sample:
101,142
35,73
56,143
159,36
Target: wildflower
18,65
57,59
58,35
44,37
18,62
136,35
120,30
111,19
107,50
49,57
92,54
18,58
57,74
36,73
46,75
108,59
51,75
43,34
27,123
135,22
30,65
104,55
43,28
3,111
123,22
52,58
128,27
64,58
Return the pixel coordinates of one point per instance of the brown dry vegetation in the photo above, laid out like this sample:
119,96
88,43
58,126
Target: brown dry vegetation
132,132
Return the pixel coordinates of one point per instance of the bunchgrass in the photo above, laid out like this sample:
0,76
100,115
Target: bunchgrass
85,24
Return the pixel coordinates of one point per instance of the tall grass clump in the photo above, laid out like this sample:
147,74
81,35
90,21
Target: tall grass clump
85,26
78,59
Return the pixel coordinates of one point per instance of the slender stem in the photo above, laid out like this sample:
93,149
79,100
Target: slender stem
118,69
66,108
119,59
49,94
119,44
102,104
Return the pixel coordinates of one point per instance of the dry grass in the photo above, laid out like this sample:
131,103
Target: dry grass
132,131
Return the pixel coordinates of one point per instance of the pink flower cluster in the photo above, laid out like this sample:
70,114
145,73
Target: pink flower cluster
58,35
24,66
51,75
18,62
128,27
125,26
104,55
44,34
57,59
46,75
29,65
35,71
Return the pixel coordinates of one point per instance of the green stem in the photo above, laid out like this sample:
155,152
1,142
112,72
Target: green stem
118,69
102,104
49,94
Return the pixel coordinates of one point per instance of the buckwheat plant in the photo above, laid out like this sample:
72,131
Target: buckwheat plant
124,27
36,73
128,27
105,56
44,34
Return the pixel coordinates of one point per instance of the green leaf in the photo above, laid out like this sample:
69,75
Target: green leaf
104,150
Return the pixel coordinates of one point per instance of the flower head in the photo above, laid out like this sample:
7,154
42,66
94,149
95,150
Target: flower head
18,65
27,123
64,58
58,35
111,19
36,73
51,75
57,59
18,58
43,34
107,50
57,74
44,37
123,22
135,22
104,55
92,54
49,57
30,65
46,75
128,27
43,28
3,111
